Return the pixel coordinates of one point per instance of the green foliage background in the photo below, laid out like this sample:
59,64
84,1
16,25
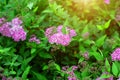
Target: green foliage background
97,33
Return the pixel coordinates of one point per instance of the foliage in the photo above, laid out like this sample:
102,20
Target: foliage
96,23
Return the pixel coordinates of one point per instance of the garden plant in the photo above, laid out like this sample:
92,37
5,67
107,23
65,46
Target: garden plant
59,39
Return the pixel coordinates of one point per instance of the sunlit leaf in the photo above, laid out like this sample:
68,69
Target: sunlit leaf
115,69
107,65
100,41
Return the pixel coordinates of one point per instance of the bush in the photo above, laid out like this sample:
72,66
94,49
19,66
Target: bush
59,40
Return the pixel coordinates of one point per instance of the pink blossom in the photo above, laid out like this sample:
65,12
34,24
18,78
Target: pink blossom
55,35
72,33
107,1
60,38
74,67
34,39
13,29
116,55
59,29
2,20
18,33
71,78
16,21
49,32
5,29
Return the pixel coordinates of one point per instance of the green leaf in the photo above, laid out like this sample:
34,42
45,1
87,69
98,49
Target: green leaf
12,72
107,65
100,27
45,55
25,73
85,72
33,50
39,76
105,76
115,70
35,9
81,60
45,67
16,64
97,55
30,5
100,41
57,66
106,25
4,50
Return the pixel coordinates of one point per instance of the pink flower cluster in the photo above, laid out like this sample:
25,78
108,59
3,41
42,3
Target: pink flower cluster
55,35
116,55
70,72
34,39
12,29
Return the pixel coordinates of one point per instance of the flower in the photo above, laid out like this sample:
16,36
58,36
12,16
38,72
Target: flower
72,33
116,55
2,20
13,29
49,31
107,1
55,35
118,78
74,67
16,21
71,78
18,33
34,39
64,68
86,55
5,29
60,38
70,72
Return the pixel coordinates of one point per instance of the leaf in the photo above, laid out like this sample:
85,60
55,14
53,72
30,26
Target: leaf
25,73
105,76
25,62
16,64
30,5
114,69
45,55
100,41
57,66
99,27
4,50
39,76
97,55
35,9
106,25
81,60
33,50
45,67
12,72
85,72
107,65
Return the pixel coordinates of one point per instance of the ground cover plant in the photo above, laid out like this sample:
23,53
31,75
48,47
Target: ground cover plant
59,40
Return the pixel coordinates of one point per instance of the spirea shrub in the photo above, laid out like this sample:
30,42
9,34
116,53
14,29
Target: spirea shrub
89,37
